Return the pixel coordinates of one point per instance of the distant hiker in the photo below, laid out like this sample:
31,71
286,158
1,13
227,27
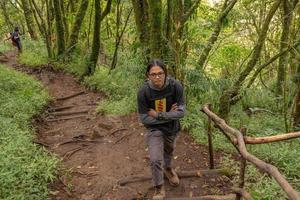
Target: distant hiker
16,41
160,106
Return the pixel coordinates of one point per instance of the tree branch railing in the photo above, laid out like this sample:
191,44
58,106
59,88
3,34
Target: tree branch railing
239,142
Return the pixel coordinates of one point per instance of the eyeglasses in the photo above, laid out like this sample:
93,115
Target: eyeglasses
154,75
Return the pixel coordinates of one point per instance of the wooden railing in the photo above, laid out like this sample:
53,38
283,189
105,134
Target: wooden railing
239,141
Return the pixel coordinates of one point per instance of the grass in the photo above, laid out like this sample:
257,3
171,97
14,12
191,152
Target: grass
5,46
25,169
120,86
34,53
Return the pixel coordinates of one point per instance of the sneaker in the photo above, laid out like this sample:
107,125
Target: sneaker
172,177
159,193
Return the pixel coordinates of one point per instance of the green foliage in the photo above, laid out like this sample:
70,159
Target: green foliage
5,46
284,155
76,64
34,53
120,85
25,169
227,60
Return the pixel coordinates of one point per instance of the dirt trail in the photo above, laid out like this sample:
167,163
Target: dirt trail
97,151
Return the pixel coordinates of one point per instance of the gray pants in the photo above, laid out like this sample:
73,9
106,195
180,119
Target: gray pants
161,148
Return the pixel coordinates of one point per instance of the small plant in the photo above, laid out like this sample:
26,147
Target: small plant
120,86
34,53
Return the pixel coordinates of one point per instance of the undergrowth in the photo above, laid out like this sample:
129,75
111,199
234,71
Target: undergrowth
25,169
120,85
34,53
284,155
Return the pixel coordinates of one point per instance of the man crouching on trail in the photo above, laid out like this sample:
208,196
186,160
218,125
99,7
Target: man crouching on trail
160,105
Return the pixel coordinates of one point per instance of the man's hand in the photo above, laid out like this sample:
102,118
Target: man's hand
152,113
174,107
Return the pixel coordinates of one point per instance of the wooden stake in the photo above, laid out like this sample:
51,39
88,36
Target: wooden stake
242,169
210,145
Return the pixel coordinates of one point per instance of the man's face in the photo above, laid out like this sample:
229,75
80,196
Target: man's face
157,76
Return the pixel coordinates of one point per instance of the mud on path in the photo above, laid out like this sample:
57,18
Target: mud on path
98,151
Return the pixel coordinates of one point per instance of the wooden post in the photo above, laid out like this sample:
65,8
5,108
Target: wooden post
242,168
210,145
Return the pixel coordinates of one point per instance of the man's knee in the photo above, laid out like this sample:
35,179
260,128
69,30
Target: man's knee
156,163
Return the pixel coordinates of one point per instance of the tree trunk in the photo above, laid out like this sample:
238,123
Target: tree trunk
37,16
119,33
59,28
296,114
141,14
284,42
64,19
228,95
77,24
8,21
96,39
90,24
29,19
175,48
214,36
296,111
155,11
42,25
49,27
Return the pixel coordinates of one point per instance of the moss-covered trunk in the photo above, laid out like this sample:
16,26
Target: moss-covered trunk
284,42
77,24
156,42
59,28
141,14
96,39
229,96
296,112
49,27
64,20
3,6
28,14
227,7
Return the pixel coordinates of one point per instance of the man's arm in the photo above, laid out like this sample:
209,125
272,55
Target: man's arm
175,114
149,120
178,109
144,111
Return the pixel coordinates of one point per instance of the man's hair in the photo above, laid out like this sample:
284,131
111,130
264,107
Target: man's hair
16,28
156,62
